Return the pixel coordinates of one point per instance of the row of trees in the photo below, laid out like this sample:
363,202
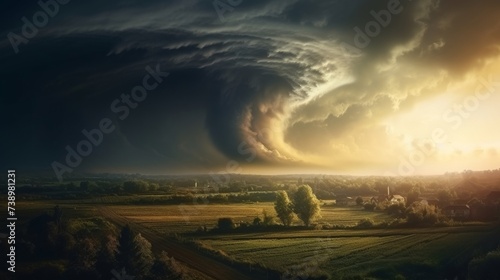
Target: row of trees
92,248
303,204
134,253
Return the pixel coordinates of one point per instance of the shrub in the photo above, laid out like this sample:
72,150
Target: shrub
359,200
365,223
369,206
257,221
398,210
485,267
225,224
268,220
423,215
166,267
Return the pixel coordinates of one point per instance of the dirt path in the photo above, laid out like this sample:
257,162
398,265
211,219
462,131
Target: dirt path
207,266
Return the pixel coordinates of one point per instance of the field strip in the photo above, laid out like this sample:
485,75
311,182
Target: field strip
413,243
346,233
193,259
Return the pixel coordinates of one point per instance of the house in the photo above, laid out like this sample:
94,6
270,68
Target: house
457,211
396,199
391,199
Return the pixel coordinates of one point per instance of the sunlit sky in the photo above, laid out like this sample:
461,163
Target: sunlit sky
262,87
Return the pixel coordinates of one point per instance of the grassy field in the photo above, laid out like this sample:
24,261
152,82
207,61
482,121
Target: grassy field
187,218
415,253
374,253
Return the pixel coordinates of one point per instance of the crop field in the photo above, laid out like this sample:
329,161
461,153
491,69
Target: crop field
379,256
415,253
187,218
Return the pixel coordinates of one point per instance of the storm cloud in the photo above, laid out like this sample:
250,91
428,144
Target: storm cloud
272,84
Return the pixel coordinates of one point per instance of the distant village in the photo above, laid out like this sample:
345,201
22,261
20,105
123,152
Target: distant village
485,209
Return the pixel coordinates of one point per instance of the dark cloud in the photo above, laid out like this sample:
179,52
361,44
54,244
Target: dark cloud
271,67
462,35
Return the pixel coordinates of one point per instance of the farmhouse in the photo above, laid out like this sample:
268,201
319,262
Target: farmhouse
380,198
396,199
391,199
457,211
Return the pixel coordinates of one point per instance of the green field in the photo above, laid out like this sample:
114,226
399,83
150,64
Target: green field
187,218
378,253
413,253
375,253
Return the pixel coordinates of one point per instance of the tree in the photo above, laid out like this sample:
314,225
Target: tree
267,219
154,187
306,205
445,197
126,247
166,267
398,210
412,196
284,208
88,186
143,256
135,186
134,253
85,255
370,206
58,218
359,200
485,267
225,224
422,215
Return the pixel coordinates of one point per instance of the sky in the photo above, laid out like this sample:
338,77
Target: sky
269,87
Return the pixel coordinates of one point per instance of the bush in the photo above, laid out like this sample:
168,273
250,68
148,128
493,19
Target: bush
423,215
359,200
485,267
225,224
365,223
369,206
268,220
166,267
398,210
257,221
135,186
